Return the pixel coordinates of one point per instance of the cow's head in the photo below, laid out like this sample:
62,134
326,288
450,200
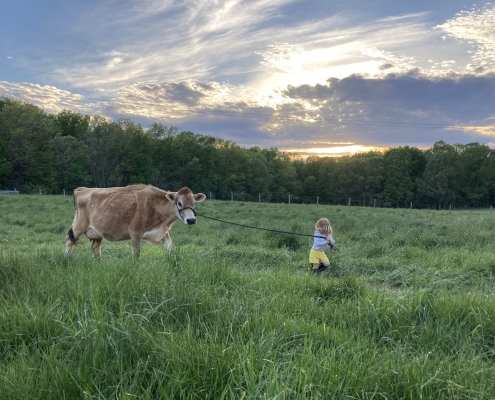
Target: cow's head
184,201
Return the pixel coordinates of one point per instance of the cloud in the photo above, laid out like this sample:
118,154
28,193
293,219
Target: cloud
244,42
280,56
386,66
163,98
477,28
481,130
50,98
30,90
116,57
412,104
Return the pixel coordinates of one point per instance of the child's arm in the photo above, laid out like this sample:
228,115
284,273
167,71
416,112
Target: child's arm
331,241
319,239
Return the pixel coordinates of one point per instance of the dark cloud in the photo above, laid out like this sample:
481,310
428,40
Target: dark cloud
183,92
447,96
386,66
401,109
408,109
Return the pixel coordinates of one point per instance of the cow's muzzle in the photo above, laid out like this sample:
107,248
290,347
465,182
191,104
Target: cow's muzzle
187,220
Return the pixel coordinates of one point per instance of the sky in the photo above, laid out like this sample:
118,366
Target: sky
310,77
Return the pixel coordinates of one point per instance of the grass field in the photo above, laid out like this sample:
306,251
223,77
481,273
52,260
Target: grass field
407,310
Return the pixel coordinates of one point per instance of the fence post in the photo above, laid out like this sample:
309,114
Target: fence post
374,203
64,192
410,206
289,198
210,194
231,195
317,200
259,197
349,203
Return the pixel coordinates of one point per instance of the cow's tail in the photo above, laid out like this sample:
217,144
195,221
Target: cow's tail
70,236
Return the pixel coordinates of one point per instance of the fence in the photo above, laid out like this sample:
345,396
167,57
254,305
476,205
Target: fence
9,192
343,201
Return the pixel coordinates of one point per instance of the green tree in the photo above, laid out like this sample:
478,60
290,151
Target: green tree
73,163
135,155
5,165
434,184
25,131
283,176
368,173
398,186
260,178
471,176
439,179
103,141
162,153
69,123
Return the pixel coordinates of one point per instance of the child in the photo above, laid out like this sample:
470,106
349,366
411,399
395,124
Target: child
322,238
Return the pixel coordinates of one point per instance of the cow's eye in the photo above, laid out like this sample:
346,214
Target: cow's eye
179,203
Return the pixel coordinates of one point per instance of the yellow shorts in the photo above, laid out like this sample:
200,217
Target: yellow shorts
316,257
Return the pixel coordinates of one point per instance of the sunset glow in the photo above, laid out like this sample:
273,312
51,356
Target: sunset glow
336,151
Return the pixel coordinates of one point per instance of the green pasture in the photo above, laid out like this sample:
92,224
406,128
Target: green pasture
406,311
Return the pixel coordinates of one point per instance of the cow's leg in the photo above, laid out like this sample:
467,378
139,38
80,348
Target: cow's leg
79,226
73,235
70,241
167,242
136,245
96,247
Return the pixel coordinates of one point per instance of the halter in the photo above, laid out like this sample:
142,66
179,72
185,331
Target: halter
184,208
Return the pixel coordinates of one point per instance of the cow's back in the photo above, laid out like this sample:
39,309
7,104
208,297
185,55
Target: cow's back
115,212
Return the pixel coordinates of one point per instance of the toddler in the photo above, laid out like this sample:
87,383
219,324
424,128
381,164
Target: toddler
322,239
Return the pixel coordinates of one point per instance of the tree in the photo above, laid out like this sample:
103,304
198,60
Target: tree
69,123
283,175
25,131
73,163
398,185
471,177
135,158
5,165
162,153
102,141
261,179
439,181
434,184
368,173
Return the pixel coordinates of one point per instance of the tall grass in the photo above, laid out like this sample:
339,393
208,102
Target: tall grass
405,312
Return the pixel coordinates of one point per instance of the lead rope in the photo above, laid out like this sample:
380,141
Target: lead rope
269,230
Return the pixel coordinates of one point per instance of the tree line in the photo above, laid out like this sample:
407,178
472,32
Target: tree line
41,152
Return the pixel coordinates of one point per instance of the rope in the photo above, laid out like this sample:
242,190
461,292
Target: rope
265,229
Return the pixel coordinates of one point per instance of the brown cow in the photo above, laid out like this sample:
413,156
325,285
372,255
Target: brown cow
133,213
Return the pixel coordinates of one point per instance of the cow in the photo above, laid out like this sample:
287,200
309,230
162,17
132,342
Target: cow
133,213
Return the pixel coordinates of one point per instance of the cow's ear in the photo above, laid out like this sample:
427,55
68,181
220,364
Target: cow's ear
170,196
199,197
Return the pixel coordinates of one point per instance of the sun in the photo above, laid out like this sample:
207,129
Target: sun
344,149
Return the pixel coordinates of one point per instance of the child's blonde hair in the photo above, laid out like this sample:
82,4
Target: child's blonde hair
324,224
